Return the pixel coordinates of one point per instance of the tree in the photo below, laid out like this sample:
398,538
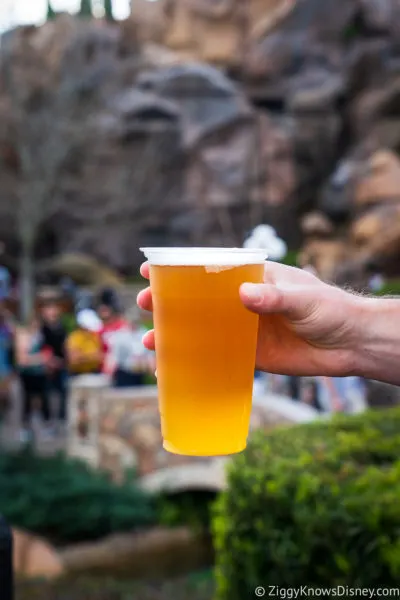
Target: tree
86,9
44,132
51,14
108,10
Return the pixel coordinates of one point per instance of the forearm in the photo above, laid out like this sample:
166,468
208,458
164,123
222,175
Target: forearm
378,354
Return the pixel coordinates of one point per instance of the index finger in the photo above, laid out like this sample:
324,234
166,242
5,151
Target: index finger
145,270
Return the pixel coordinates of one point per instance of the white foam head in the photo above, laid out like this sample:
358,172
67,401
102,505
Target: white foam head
224,257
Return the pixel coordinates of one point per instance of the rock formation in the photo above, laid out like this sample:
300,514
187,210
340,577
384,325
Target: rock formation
33,557
192,122
206,31
158,552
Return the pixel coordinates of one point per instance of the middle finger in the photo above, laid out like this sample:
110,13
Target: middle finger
144,300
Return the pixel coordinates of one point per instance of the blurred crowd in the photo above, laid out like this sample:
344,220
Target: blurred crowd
54,347
324,394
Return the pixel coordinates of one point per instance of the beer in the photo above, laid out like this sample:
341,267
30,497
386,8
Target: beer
205,345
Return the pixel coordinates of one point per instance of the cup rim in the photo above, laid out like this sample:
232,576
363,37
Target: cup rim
198,256
197,249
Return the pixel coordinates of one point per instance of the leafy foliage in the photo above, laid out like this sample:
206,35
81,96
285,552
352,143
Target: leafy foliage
108,9
193,508
390,288
86,9
291,258
66,501
51,14
315,504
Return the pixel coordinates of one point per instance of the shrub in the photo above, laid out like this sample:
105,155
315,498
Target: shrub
291,258
313,505
67,501
390,288
191,508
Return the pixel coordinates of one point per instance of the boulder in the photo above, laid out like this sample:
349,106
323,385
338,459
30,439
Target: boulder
278,177
376,227
156,553
315,139
35,558
222,105
368,65
316,89
310,31
204,31
378,180
325,256
374,103
316,224
377,15
336,196
378,237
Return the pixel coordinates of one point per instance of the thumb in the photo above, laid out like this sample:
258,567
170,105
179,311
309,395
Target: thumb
295,302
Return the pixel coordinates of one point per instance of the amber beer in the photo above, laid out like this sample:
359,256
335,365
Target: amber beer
205,344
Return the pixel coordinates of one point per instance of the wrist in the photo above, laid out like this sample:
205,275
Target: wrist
377,347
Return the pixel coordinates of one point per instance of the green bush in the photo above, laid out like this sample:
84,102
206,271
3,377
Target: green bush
391,287
313,505
67,501
191,508
291,258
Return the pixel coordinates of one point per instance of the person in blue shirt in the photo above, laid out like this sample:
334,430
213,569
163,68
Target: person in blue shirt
6,357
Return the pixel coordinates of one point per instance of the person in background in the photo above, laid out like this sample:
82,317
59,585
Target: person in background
309,393
342,394
139,360
54,337
124,358
109,311
7,332
84,346
376,281
32,359
5,277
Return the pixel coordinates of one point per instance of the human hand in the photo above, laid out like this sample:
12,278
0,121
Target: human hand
307,327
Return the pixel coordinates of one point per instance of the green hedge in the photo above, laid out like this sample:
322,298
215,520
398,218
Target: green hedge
313,505
190,508
67,501
391,287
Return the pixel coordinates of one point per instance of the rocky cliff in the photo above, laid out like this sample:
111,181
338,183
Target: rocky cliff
131,139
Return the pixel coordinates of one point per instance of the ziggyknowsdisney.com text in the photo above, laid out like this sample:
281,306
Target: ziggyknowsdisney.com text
340,591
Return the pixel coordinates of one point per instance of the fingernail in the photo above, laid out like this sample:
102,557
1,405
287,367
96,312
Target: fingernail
252,292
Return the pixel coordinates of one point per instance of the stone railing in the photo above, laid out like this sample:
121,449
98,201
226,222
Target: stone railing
118,430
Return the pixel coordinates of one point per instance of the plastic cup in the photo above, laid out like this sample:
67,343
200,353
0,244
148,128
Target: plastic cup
205,344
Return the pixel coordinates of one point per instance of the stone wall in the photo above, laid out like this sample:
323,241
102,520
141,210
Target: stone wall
118,430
